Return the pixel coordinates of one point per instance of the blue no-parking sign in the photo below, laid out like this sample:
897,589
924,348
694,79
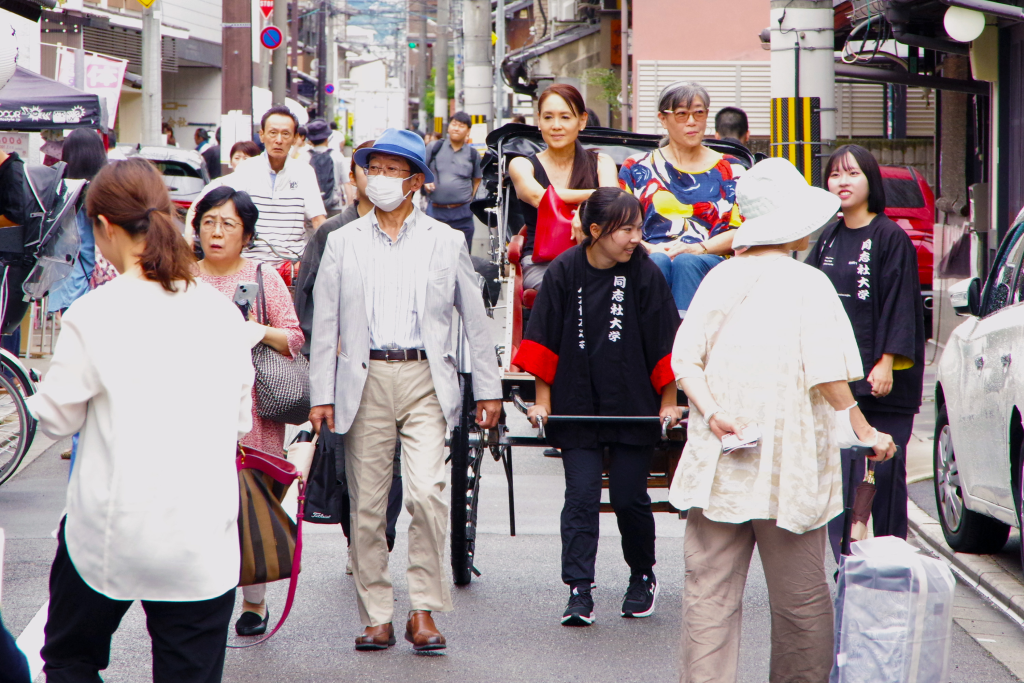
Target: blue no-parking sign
271,37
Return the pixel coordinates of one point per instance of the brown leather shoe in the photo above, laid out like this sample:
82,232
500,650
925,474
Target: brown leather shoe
421,632
376,638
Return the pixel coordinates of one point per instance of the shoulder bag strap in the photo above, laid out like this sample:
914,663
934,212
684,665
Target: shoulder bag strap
261,298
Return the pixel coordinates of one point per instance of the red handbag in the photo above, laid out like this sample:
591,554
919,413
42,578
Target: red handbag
554,227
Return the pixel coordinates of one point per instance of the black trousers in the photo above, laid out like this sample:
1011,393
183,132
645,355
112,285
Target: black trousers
630,466
889,509
188,637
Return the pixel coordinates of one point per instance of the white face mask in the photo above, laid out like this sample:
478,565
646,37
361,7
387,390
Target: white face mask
386,193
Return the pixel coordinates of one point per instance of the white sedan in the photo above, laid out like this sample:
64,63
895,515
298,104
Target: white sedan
979,392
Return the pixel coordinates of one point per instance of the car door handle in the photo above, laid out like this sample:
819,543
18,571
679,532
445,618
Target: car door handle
1006,359
979,362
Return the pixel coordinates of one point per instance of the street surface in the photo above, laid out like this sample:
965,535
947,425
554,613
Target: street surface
505,626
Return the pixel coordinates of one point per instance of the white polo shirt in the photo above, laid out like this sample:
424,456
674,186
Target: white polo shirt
285,200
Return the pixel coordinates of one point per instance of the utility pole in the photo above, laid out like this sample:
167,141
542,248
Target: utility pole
423,67
441,67
478,81
332,63
293,28
803,66
321,61
236,59
460,56
152,75
499,55
279,57
624,52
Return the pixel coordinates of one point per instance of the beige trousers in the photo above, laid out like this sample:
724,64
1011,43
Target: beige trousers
398,399
717,559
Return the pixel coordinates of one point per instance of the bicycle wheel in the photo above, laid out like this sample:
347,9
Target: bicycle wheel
466,463
17,428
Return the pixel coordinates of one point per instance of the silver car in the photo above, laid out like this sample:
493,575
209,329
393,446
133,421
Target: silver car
183,170
979,394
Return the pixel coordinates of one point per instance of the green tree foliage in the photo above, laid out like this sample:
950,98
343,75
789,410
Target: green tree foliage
429,98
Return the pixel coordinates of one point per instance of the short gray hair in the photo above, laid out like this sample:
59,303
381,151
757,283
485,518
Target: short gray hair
682,93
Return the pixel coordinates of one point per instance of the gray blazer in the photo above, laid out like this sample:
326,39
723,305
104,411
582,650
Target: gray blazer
340,348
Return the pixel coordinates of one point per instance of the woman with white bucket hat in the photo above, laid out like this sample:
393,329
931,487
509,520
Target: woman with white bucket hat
765,355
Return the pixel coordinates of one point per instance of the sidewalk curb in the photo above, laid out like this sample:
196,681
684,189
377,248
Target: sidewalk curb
981,570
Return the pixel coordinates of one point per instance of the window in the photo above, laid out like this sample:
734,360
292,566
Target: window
1004,278
903,193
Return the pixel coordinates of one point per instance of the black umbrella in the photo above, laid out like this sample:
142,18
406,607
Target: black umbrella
30,103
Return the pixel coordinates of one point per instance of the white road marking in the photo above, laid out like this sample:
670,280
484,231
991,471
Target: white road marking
31,641
985,640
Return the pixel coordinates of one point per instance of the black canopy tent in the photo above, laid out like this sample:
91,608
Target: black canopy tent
31,103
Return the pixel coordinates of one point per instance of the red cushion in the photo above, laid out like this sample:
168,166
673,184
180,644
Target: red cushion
515,249
529,296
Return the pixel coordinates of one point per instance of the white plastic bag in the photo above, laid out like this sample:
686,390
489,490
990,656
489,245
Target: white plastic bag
894,615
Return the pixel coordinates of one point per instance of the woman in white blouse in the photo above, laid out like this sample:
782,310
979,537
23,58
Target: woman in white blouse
765,345
154,370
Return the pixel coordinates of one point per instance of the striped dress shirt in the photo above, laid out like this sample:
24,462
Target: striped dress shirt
394,320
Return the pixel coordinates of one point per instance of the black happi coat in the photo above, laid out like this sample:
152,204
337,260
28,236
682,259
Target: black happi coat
874,270
603,340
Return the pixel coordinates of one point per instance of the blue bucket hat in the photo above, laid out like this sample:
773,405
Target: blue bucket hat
401,143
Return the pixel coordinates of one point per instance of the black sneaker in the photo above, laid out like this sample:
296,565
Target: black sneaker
640,596
580,610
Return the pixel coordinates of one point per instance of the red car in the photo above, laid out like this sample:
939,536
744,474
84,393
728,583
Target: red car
910,202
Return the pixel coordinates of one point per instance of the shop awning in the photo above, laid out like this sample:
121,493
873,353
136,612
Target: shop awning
30,102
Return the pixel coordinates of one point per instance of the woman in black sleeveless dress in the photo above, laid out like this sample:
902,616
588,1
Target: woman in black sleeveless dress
573,171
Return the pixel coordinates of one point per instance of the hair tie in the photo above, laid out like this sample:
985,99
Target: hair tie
149,211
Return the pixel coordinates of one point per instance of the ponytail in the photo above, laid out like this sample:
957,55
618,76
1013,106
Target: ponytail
131,194
584,168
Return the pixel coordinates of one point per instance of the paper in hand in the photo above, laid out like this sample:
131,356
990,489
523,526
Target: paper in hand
747,437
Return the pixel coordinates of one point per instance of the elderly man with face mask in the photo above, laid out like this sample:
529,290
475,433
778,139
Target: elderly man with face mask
382,365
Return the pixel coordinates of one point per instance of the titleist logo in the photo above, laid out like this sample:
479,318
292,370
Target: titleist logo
320,514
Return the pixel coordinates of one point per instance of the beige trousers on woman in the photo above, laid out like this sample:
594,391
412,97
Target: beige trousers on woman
398,399
717,560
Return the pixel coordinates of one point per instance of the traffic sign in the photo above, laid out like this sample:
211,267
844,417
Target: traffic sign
146,3
267,7
271,37
329,89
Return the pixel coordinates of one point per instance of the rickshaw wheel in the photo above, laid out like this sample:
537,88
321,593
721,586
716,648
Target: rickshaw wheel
466,463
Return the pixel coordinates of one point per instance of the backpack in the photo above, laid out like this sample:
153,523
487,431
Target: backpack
323,166
432,152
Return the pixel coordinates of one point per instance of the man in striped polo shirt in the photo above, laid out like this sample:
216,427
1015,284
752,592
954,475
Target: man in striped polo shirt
284,190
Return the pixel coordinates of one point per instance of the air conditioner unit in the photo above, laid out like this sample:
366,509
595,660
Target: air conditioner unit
562,10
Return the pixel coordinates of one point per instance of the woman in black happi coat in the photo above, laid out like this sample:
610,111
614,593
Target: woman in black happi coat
873,265
599,342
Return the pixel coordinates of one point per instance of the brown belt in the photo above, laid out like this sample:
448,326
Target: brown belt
449,206
398,355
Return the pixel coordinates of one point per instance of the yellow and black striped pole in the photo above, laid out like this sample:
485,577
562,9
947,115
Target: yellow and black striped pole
796,134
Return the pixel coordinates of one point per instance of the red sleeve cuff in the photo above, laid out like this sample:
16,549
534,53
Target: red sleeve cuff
536,359
663,375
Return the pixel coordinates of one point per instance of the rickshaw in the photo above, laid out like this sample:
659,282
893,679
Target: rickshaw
468,444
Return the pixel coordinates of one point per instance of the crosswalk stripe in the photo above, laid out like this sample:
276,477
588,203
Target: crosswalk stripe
31,641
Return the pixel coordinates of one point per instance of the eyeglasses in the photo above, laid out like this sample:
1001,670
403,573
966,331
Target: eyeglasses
226,225
682,115
278,134
388,171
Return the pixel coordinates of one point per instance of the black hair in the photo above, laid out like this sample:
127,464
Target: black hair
300,132
279,110
244,207
463,118
731,122
333,125
217,135
610,208
202,134
111,139
84,153
592,118
868,166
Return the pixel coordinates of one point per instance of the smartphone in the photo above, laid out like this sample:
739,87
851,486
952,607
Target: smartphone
245,296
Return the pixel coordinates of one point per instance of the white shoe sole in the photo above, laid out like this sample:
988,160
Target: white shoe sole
649,612
578,620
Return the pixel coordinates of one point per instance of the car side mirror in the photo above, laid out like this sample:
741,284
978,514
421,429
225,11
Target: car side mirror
965,297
